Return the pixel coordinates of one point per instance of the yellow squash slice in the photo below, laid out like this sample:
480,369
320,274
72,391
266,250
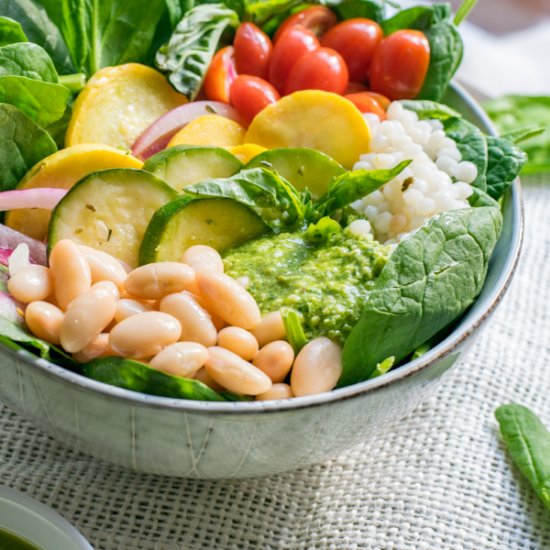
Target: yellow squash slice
62,170
210,130
246,152
312,118
119,103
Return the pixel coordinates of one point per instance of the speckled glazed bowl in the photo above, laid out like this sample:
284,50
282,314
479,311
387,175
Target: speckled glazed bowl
224,440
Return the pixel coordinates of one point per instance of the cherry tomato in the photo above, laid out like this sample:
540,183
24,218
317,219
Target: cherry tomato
292,44
252,50
250,94
355,40
382,99
322,69
220,75
317,19
399,64
367,104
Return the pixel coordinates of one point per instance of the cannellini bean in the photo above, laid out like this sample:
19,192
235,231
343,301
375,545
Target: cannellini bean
196,324
87,315
228,299
19,259
275,359
234,373
270,328
180,359
31,283
44,320
103,266
145,334
70,271
238,341
277,391
202,376
153,281
126,307
98,347
203,258
317,367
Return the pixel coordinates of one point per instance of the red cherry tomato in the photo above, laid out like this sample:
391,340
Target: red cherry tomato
252,50
367,104
322,69
250,94
399,64
317,19
292,44
220,75
382,99
355,40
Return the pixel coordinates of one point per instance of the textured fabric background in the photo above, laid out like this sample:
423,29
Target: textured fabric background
439,480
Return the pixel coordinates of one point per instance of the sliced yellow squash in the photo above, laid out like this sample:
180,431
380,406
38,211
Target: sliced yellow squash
62,170
210,130
119,103
247,151
312,118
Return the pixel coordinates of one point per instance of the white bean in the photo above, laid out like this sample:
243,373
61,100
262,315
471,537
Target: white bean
44,320
270,328
145,334
196,324
203,258
70,271
277,391
103,266
98,347
317,367
154,281
127,307
275,359
234,373
238,341
202,376
31,283
180,359
226,298
87,315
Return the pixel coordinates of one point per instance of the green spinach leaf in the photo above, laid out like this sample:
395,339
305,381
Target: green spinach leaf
431,278
29,60
135,376
504,164
528,442
369,9
188,54
481,198
10,32
43,102
275,200
24,143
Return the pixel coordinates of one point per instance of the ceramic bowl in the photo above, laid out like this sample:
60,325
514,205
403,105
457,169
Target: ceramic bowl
37,523
224,440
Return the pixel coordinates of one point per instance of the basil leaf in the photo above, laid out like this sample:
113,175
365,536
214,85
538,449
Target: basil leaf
354,185
10,32
43,102
29,60
504,164
188,54
24,143
528,442
135,376
431,278
275,200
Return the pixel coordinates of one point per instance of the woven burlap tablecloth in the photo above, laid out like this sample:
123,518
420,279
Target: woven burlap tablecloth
439,479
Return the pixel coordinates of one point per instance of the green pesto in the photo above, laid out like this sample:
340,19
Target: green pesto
8,541
327,282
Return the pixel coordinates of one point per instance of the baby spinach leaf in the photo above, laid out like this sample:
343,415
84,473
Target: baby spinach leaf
425,108
29,60
24,143
44,102
431,278
177,9
369,9
293,327
188,54
354,185
528,442
275,200
135,376
504,164
10,32
481,198
383,367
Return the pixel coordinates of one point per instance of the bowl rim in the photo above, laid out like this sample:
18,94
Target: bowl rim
438,352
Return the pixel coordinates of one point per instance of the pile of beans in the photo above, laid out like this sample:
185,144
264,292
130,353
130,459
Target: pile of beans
184,318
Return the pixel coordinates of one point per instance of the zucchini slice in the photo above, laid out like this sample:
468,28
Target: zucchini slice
217,222
185,165
303,167
110,210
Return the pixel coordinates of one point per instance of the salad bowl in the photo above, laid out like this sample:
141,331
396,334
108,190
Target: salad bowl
240,439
